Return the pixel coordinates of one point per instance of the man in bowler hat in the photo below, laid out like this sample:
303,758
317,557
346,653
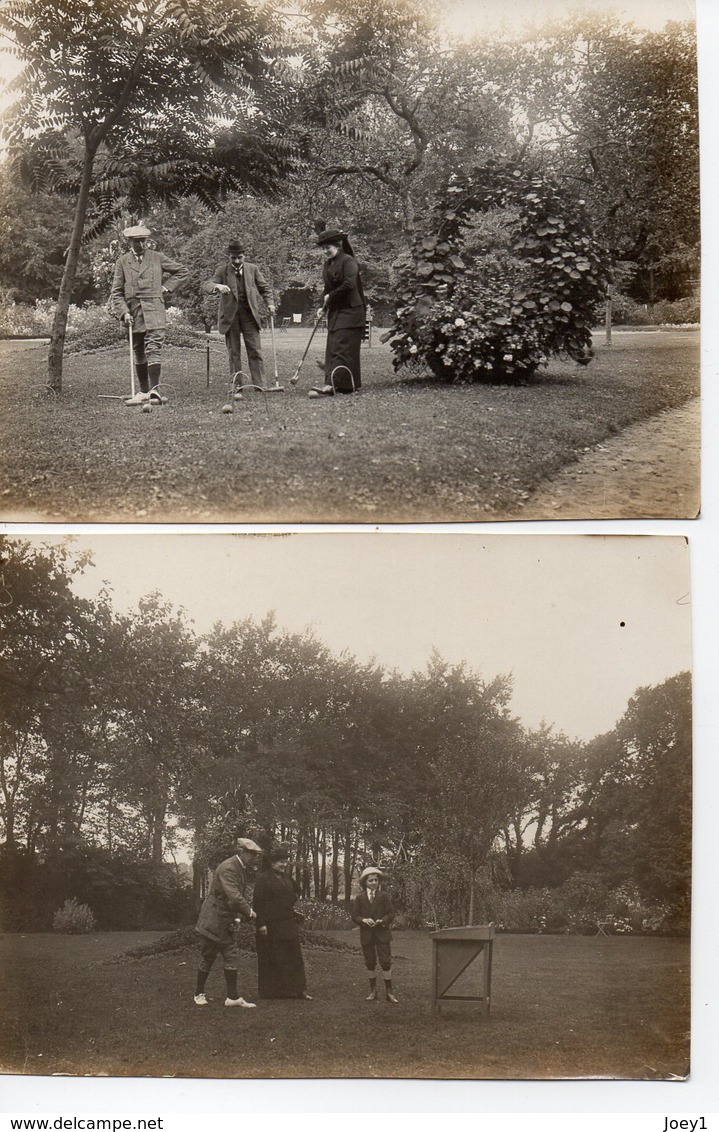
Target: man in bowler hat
240,285
142,278
224,904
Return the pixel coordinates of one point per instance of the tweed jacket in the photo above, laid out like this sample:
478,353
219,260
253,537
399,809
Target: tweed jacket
255,286
343,291
380,908
224,901
139,286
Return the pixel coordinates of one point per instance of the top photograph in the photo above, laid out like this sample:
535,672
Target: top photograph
348,261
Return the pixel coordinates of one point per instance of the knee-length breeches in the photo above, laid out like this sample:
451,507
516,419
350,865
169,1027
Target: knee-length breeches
375,950
147,345
211,948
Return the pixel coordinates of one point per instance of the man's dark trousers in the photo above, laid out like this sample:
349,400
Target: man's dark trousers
244,326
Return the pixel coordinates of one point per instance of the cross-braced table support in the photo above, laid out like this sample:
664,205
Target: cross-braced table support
453,949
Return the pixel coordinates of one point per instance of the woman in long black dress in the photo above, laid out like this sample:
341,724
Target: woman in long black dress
280,968
344,305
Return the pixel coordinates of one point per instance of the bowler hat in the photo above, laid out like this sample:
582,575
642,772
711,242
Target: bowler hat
278,853
234,248
250,846
138,232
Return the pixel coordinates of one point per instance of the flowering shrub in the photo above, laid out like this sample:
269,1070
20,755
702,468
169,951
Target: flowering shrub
73,919
321,917
578,907
471,313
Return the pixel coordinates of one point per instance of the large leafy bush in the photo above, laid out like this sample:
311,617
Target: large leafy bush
473,308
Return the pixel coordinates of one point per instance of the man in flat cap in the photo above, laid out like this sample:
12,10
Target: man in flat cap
241,285
223,906
142,278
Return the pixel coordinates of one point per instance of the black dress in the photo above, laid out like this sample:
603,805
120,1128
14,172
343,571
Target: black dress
280,968
346,314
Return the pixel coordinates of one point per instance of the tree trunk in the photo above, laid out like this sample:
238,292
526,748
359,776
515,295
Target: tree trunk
316,862
335,866
323,866
608,318
158,829
347,863
59,325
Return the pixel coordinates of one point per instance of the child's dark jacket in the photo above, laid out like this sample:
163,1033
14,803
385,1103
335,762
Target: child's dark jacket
380,908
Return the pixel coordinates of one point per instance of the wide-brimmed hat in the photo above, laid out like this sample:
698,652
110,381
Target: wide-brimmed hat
331,236
278,853
137,232
250,846
234,248
371,871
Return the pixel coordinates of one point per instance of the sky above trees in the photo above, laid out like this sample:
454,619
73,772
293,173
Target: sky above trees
467,18
578,622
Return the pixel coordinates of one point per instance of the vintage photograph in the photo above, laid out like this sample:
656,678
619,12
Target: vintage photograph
378,261
345,805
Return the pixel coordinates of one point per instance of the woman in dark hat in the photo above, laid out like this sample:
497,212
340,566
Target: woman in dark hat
345,307
280,968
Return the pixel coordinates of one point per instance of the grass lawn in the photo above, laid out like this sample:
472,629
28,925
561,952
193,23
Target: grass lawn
402,450
562,1007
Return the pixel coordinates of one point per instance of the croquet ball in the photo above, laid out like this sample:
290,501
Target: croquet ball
146,409
227,409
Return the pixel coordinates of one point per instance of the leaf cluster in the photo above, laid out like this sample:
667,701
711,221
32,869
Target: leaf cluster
469,317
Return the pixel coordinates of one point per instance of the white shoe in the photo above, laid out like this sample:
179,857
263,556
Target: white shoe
201,1000
240,1002
139,399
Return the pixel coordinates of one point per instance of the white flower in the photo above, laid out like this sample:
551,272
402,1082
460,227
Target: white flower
413,349
459,322
507,358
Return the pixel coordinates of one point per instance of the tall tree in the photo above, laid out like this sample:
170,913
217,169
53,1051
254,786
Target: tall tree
126,98
614,110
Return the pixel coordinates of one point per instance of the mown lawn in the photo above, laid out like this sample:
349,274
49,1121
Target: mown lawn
402,450
562,1007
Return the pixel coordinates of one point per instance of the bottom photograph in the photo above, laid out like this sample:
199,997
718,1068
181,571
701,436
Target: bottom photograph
363,805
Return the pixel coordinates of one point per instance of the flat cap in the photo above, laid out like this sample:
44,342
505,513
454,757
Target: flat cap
250,846
137,232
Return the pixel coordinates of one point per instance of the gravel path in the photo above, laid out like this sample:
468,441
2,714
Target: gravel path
650,470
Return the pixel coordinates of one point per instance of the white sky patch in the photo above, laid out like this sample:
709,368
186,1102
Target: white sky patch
578,621
470,18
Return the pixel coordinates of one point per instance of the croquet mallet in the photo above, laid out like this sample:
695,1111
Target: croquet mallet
276,388
296,375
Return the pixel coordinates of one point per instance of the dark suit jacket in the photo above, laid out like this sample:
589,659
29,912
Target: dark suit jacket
224,901
380,908
255,285
343,289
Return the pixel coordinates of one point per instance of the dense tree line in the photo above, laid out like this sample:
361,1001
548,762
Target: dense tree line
355,114
122,735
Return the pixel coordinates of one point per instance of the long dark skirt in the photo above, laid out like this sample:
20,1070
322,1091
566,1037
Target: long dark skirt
280,968
343,349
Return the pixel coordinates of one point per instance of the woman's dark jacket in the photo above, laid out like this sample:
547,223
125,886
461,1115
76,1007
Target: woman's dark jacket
343,287
273,901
